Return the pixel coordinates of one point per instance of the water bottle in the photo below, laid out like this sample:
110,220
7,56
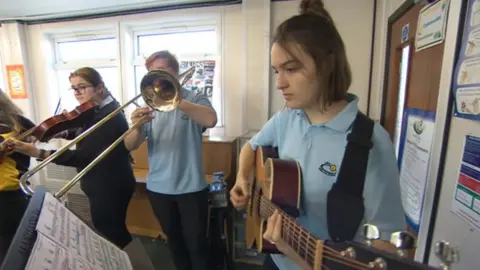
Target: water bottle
218,182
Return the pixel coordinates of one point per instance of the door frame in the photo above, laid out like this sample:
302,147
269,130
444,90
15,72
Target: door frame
402,10
442,125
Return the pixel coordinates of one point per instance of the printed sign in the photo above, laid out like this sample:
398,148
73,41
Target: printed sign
466,197
202,79
466,82
432,22
405,30
16,82
415,148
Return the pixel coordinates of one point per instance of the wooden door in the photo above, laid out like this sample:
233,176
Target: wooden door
413,77
416,85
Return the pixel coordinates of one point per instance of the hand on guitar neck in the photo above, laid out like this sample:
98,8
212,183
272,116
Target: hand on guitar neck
239,194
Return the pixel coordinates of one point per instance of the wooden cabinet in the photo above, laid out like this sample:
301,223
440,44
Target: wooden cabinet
219,154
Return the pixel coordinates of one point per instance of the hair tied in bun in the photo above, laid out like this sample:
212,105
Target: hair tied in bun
311,7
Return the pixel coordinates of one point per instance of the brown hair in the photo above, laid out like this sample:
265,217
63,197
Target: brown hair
314,31
90,75
9,112
172,61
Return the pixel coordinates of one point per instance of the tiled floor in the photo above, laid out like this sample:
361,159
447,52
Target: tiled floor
160,256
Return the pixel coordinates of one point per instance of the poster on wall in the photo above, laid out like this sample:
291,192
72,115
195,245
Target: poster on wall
414,156
466,82
202,79
466,196
432,22
16,82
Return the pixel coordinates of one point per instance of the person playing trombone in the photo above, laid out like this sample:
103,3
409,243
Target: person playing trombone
176,182
110,184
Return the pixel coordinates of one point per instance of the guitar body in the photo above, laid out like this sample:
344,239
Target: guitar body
280,182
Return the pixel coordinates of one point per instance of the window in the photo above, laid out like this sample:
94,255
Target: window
402,91
181,43
96,51
197,47
68,101
85,50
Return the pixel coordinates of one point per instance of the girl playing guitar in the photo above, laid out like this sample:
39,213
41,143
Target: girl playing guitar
313,74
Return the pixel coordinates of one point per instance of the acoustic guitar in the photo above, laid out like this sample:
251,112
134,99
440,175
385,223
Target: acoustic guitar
277,186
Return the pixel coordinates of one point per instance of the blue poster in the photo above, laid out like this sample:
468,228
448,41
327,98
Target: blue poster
466,197
413,161
466,79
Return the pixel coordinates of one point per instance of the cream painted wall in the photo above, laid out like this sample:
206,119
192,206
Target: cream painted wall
250,96
13,51
354,22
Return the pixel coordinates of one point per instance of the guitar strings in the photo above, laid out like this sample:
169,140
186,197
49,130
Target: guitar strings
310,258
269,208
336,256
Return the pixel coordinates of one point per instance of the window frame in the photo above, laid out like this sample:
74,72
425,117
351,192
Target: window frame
168,26
91,35
84,36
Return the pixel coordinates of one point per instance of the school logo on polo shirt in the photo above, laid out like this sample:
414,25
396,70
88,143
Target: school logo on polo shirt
185,117
328,169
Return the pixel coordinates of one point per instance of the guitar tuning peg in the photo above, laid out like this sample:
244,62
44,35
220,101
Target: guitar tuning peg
403,241
370,233
446,253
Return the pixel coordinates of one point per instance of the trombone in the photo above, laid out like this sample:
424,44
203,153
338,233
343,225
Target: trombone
161,91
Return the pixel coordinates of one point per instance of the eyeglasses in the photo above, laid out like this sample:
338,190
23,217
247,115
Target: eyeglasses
80,89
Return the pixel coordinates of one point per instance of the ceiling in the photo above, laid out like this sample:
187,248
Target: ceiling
34,10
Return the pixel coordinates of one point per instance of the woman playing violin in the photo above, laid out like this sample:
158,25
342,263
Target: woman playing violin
12,166
109,186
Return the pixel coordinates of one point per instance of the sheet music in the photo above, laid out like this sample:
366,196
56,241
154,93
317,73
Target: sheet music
46,254
68,231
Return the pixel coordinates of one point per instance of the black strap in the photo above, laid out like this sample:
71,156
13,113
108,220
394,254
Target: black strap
345,206
353,170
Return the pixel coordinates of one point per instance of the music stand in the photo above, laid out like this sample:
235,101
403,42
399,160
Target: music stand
22,244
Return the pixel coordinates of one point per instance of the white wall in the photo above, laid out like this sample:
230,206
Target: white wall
13,51
250,96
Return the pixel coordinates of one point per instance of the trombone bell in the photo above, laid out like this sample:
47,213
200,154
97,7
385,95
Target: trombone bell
161,90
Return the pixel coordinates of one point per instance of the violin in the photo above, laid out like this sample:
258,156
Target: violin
46,130
61,122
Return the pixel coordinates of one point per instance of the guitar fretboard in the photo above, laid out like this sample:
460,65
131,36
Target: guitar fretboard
300,240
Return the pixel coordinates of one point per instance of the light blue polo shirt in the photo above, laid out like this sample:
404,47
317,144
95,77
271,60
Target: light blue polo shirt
174,143
315,146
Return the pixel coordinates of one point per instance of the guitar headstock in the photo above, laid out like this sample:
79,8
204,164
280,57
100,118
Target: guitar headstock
352,255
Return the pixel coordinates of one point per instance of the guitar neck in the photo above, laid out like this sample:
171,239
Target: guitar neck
303,243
